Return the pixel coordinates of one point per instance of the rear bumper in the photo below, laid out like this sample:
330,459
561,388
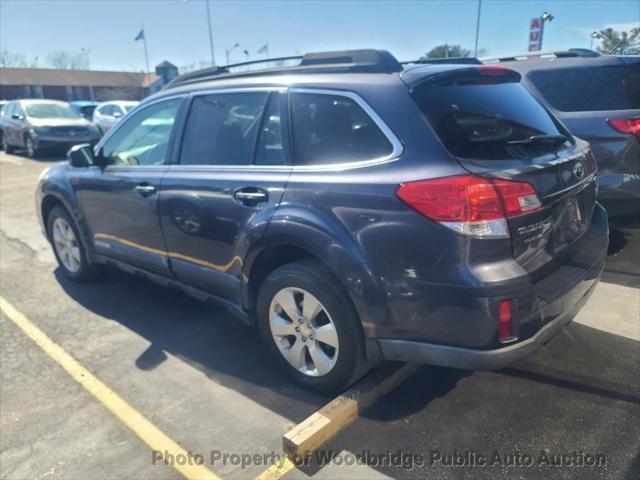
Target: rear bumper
554,300
445,356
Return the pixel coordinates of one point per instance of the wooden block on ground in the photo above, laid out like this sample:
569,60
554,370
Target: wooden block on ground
343,410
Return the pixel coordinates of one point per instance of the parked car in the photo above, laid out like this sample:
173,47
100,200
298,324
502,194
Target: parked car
354,210
107,114
598,98
84,108
38,125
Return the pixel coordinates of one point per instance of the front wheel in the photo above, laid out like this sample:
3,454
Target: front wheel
310,326
67,247
32,149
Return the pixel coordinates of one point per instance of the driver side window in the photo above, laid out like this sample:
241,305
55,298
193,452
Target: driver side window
143,138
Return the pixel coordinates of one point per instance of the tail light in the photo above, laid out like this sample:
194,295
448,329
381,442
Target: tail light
626,125
504,321
469,204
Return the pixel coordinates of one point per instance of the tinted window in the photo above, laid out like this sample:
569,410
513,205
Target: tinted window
51,110
270,147
221,129
143,138
334,129
106,110
590,88
478,120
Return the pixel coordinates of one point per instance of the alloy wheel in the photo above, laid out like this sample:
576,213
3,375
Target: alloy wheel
66,244
31,149
303,331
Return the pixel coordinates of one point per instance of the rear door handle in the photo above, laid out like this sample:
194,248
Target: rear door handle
251,196
145,189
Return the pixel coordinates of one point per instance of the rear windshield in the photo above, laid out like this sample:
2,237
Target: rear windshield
584,89
487,120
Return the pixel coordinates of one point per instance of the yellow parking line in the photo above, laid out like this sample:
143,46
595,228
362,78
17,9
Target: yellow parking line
149,433
277,470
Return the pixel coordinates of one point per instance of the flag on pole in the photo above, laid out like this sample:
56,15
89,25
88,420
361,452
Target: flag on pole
264,49
140,36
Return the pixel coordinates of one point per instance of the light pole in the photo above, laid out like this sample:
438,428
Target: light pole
546,17
594,35
213,57
231,50
475,54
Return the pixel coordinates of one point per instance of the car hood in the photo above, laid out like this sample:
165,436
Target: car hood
59,122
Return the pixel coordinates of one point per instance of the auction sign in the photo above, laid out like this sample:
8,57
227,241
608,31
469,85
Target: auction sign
536,27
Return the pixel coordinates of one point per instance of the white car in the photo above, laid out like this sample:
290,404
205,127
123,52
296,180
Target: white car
107,114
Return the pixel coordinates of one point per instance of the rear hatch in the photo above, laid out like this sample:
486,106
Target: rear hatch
495,129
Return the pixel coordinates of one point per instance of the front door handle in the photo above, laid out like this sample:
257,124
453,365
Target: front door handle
145,189
251,196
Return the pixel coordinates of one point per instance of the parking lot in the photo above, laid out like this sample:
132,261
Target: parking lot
203,378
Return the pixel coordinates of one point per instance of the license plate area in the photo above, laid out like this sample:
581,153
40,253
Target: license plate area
568,222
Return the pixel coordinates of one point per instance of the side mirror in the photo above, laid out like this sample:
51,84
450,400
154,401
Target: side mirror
82,156
117,114
16,116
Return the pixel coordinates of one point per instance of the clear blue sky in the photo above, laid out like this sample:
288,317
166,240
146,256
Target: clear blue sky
177,30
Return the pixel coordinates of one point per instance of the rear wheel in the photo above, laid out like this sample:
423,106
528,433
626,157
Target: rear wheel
5,145
67,247
309,325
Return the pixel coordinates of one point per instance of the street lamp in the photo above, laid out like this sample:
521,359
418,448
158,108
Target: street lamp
594,35
547,17
229,50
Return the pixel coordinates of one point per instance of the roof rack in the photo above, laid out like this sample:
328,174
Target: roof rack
352,61
570,53
447,60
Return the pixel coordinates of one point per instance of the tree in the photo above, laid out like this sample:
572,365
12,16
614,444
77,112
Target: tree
69,60
12,60
619,43
447,51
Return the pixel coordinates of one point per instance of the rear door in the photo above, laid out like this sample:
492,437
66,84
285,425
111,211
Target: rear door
230,177
496,129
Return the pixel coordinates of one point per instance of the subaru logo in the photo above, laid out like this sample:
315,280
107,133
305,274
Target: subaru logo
578,170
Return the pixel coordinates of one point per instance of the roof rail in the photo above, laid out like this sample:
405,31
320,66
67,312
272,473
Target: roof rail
363,61
455,60
570,53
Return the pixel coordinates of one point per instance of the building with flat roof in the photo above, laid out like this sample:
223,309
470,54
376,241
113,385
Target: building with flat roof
69,85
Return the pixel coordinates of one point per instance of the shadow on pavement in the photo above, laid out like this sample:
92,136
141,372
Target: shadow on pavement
623,261
581,393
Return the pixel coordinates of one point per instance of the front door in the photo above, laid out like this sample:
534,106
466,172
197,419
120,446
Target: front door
229,180
120,202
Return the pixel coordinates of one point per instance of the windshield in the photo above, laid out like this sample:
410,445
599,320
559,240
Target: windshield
50,110
488,121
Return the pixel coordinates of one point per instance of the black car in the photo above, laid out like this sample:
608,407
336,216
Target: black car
44,125
353,209
598,98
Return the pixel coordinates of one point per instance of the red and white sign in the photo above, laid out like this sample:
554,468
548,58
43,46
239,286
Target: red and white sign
536,28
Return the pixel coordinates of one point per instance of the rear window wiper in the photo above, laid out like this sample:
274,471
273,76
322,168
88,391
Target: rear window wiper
548,139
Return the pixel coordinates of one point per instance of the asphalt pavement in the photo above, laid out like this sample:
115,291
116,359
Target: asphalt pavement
571,410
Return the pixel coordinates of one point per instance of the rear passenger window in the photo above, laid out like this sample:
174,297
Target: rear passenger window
615,87
221,128
330,129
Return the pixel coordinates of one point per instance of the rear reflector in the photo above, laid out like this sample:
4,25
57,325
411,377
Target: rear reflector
626,125
469,204
504,321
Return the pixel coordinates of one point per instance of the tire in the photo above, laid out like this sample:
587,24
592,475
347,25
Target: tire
5,146
74,266
31,148
297,281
